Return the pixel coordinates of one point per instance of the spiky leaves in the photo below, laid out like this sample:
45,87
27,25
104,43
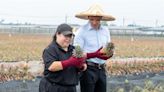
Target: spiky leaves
108,48
78,52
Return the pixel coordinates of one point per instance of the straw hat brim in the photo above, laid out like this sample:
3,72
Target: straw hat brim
105,17
95,10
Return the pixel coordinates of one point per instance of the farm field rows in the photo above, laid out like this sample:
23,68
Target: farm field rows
30,47
137,65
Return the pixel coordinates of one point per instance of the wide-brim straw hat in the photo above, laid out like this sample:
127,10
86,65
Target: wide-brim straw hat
95,10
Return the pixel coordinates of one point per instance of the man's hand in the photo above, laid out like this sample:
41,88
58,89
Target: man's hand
105,57
94,54
99,54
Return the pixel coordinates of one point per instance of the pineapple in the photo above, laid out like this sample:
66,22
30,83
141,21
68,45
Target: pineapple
78,52
108,47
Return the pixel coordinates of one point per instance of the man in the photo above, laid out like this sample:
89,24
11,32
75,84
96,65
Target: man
92,37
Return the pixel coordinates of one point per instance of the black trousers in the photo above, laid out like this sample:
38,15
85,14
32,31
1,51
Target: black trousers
93,80
46,86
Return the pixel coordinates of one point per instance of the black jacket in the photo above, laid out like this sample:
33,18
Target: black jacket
68,76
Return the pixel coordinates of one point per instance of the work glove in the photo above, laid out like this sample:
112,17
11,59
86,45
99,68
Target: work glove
73,61
98,54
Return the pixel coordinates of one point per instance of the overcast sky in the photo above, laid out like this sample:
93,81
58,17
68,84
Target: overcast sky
143,12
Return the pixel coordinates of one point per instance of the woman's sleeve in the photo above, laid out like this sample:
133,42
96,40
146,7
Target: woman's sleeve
49,56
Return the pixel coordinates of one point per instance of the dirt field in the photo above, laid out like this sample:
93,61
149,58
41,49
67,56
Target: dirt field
22,47
30,47
138,46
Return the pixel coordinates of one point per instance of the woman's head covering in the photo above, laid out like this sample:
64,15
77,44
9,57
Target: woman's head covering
64,29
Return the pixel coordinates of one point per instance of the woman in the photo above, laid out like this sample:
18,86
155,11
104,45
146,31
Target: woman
61,68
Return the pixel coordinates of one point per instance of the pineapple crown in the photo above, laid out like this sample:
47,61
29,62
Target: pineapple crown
78,52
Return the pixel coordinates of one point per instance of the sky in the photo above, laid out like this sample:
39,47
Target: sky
139,12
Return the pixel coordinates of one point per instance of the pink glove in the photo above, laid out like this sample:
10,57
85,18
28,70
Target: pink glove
94,54
83,67
98,54
73,61
104,57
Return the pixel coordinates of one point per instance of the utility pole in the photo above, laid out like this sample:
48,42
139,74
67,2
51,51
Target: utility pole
156,23
123,22
66,17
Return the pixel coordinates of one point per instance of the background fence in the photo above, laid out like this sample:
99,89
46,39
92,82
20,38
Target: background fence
50,29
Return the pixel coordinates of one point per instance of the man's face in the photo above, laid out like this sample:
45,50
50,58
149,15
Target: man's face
95,21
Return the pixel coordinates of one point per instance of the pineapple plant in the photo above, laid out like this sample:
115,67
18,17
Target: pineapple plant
137,89
148,85
118,89
78,52
108,47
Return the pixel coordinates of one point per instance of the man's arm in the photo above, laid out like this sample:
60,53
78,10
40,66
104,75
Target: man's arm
79,40
108,35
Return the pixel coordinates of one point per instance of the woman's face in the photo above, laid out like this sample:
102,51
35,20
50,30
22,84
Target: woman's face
64,40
